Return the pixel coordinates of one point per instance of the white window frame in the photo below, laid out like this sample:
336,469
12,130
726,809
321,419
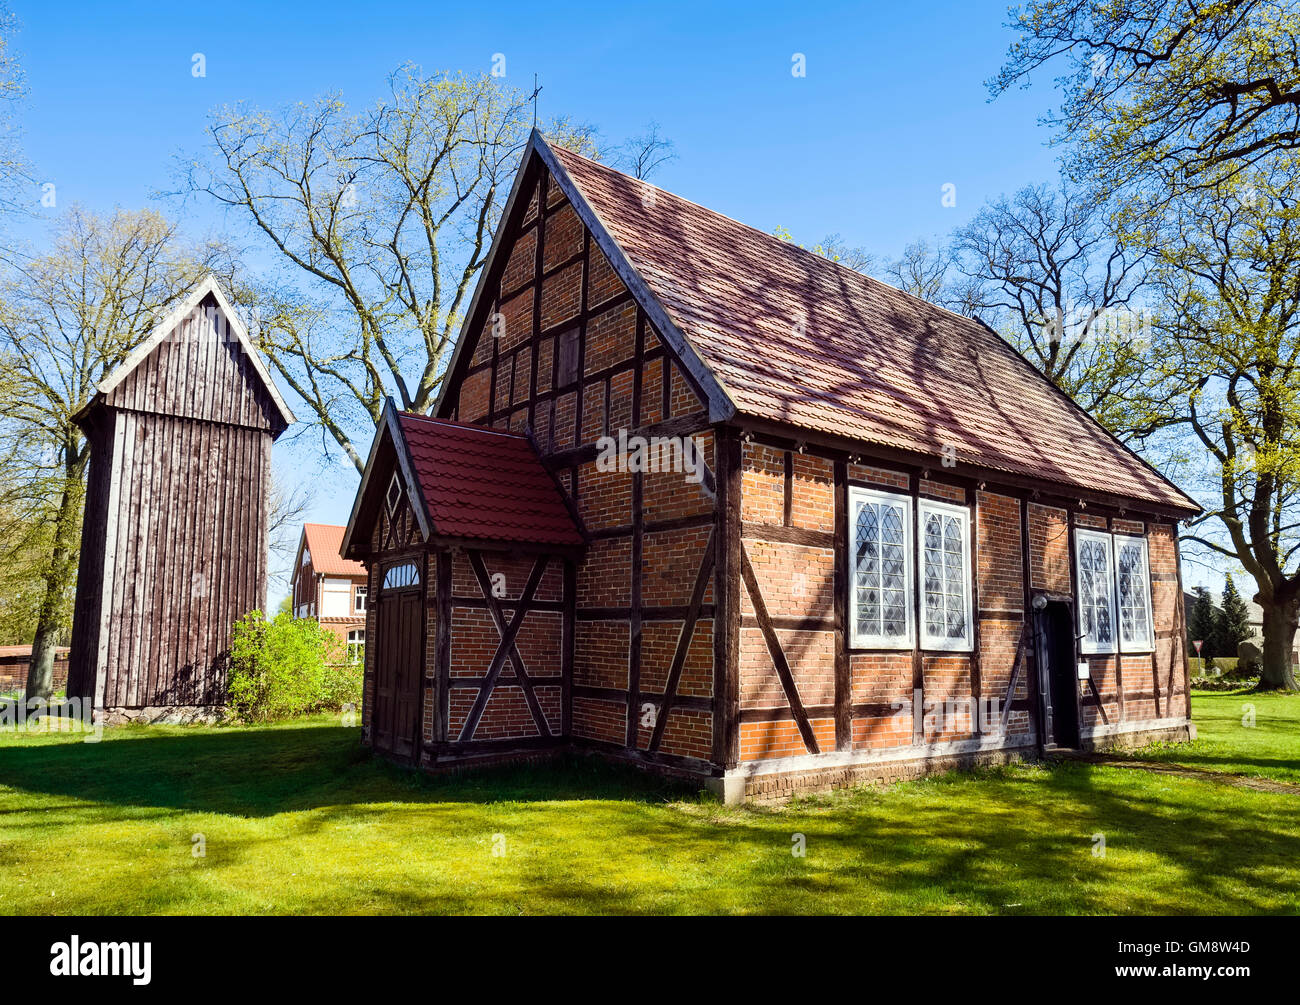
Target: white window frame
1087,645
858,640
1147,644
354,644
928,641
360,594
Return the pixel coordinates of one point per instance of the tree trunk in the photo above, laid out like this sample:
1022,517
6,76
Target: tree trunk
58,578
1280,621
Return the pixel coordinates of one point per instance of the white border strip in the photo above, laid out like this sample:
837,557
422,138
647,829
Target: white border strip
888,755
1136,726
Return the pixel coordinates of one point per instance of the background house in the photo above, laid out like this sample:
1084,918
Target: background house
14,661
328,587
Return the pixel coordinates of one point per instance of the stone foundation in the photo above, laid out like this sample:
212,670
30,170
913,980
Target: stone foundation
778,779
774,781
1132,735
166,715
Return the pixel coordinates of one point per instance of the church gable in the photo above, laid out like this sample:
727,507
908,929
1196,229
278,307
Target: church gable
558,344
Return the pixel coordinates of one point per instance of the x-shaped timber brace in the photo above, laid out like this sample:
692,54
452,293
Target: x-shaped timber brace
506,647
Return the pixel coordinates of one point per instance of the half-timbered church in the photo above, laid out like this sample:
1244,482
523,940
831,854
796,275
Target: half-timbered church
702,500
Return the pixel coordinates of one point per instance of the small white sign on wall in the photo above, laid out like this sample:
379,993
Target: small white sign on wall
1083,670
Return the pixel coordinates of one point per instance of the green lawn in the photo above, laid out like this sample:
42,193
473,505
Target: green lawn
297,819
1240,733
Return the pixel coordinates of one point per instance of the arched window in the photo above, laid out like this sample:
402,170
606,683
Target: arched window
402,575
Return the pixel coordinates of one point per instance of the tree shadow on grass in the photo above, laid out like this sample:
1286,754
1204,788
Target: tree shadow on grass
1193,829
261,772
1005,843
1244,765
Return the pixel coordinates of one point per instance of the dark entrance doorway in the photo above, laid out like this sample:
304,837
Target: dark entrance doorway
1055,634
400,642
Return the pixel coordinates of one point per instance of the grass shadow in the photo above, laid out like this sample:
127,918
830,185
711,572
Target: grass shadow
255,772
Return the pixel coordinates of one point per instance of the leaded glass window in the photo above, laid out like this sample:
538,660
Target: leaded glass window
881,530
945,577
1096,591
1134,593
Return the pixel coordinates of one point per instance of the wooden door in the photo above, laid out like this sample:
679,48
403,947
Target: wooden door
1058,660
400,644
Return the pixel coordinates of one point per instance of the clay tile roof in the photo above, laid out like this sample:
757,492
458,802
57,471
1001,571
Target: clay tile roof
485,484
794,338
325,542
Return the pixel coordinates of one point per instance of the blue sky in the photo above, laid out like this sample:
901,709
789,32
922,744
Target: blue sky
892,108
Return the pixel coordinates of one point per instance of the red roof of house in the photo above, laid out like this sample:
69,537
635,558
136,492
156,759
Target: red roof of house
792,337
325,542
485,484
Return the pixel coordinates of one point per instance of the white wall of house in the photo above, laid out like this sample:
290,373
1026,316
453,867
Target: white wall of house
336,598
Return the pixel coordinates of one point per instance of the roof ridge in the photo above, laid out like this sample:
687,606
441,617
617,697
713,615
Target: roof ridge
861,310
779,242
463,425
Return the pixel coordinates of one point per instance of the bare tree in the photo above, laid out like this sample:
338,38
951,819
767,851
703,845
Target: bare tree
923,269
645,153
288,504
834,248
1047,271
66,319
381,219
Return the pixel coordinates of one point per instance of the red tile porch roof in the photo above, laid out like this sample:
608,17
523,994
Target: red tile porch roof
485,484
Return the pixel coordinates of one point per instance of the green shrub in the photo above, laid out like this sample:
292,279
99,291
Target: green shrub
286,667
342,685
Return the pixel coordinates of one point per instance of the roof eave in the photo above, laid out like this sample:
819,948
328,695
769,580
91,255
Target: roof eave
883,454
388,423
1195,507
